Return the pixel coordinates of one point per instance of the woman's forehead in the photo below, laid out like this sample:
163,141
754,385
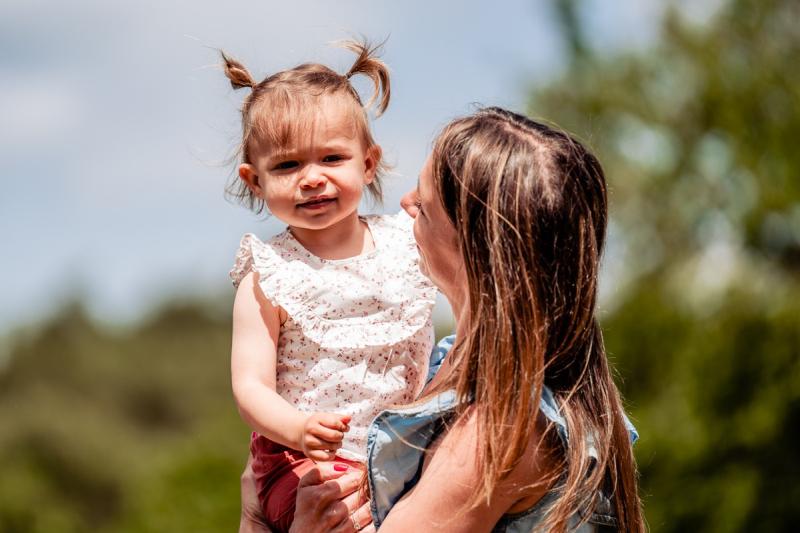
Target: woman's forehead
425,180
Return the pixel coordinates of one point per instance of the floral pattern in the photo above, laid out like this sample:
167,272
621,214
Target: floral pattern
358,335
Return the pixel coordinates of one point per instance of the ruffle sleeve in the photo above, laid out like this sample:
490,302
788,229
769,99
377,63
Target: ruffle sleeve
243,263
316,294
275,274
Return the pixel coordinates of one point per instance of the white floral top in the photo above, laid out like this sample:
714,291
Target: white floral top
358,336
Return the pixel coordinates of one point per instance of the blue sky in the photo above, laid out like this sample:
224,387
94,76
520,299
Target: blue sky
115,121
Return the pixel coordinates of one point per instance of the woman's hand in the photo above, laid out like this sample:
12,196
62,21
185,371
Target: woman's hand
252,521
328,500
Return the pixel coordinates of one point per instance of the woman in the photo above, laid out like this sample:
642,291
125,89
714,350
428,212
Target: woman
522,427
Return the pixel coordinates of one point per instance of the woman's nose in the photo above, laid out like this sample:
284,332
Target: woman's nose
409,203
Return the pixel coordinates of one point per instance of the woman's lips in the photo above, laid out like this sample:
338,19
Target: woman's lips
317,203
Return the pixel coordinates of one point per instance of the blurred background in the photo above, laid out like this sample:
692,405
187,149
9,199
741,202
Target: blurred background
116,125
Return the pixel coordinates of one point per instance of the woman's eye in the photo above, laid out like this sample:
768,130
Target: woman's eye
285,165
332,158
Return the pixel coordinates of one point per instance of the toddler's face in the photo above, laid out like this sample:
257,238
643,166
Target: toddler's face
318,181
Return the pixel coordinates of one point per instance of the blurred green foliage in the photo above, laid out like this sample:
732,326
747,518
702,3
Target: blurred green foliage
135,430
127,431
698,136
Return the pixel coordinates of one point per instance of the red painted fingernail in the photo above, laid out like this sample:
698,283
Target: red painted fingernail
340,467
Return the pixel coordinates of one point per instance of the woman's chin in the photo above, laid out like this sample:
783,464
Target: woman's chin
423,267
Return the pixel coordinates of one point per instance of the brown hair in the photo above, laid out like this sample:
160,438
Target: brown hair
285,106
529,205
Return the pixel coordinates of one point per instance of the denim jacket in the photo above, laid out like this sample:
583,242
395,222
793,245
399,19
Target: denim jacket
398,438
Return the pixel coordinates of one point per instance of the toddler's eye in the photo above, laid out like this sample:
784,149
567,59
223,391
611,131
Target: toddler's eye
332,158
285,165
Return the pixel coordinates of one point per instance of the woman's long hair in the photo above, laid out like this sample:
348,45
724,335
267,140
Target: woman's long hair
529,204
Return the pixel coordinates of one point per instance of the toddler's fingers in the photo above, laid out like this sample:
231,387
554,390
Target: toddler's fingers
313,443
334,421
325,433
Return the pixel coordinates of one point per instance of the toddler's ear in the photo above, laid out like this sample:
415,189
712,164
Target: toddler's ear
371,161
247,173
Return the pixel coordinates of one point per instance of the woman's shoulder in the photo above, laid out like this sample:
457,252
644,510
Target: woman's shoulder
453,455
549,407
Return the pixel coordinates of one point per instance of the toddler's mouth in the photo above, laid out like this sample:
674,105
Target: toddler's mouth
317,202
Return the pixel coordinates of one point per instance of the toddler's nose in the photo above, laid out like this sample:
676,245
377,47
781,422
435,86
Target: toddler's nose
312,178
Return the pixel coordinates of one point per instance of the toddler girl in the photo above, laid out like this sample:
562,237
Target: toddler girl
332,317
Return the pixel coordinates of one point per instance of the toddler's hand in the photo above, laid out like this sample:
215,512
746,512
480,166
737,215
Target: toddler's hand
323,434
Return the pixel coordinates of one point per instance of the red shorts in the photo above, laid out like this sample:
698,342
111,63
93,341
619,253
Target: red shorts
278,470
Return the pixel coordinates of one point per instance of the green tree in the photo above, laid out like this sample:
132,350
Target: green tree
697,135
121,430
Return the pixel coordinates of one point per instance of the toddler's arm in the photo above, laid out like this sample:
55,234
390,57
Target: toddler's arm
256,325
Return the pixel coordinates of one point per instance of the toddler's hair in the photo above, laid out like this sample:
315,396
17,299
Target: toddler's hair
285,106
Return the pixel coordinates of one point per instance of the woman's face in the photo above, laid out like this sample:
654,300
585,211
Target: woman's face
436,237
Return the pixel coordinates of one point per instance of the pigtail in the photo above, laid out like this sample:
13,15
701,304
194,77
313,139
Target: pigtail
368,64
285,106
237,73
